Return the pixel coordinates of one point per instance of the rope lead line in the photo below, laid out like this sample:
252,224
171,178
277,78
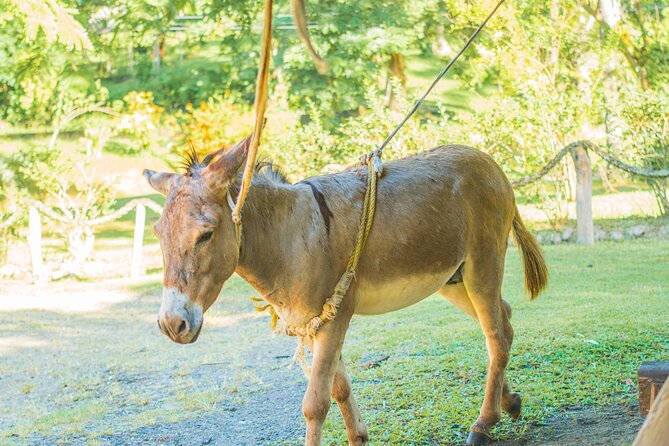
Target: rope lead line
438,78
259,108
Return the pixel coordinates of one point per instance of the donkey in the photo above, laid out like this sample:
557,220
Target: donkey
442,224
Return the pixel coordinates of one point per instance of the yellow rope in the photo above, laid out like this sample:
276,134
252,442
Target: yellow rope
259,108
267,307
331,305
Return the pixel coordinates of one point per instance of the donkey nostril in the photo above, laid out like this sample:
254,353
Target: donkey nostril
183,328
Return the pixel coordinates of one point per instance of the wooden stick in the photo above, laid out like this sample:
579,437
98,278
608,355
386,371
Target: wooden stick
655,430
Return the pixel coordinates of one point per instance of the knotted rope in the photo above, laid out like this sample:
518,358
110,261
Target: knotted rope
332,303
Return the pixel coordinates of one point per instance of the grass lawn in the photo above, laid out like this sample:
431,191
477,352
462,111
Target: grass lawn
106,376
579,344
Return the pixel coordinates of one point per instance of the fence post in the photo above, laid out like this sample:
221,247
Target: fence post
136,262
585,229
35,241
656,427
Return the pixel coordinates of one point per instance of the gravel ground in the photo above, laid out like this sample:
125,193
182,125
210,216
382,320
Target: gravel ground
102,374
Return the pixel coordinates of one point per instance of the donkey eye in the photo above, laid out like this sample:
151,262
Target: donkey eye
205,237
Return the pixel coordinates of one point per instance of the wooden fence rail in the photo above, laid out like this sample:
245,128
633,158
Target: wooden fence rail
139,206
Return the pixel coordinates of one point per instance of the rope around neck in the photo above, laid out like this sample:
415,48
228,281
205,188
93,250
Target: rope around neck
331,306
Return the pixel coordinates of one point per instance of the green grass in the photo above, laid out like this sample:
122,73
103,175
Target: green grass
579,344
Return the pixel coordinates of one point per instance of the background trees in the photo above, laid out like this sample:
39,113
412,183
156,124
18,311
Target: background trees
542,75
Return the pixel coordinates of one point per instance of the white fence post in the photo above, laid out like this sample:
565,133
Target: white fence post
585,228
35,241
136,263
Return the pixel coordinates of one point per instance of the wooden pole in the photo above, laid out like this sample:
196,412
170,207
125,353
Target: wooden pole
35,241
156,56
585,228
655,430
136,262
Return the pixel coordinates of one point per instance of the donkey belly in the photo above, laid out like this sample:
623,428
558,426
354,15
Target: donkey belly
378,298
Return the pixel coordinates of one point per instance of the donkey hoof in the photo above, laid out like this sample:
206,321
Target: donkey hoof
478,439
514,407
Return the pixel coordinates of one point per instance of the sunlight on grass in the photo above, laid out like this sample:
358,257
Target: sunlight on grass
67,420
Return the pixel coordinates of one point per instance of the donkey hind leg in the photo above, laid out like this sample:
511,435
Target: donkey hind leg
356,429
458,296
482,283
326,349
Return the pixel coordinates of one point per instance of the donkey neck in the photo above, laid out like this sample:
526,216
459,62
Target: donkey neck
278,232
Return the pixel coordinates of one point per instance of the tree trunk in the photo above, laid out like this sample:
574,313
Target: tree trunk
659,189
131,60
155,56
395,70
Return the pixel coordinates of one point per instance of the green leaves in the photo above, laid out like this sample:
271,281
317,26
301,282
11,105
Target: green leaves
56,21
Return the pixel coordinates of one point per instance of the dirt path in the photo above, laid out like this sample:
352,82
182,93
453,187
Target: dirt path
84,364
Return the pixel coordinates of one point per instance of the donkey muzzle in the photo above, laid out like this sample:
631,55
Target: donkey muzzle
179,318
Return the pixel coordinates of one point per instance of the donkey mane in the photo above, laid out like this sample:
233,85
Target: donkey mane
192,165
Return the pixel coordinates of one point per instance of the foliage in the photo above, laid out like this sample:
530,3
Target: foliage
40,76
545,73
34,171
13,216
140,118
55,20
80,202
645,126
313,147
557,72
219,122
356,40
69,186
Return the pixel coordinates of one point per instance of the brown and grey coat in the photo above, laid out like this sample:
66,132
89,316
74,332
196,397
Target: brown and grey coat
442,224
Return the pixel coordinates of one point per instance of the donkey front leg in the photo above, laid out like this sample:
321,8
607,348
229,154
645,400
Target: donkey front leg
356,430
327,347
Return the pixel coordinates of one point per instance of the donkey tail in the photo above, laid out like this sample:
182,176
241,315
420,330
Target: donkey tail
536,272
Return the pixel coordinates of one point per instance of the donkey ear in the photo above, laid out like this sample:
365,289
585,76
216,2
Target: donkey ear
160,181
226,166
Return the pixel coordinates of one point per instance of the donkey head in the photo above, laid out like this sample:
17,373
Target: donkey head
197,238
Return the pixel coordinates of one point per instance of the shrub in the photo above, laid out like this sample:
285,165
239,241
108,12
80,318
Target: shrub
644,120
140,118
